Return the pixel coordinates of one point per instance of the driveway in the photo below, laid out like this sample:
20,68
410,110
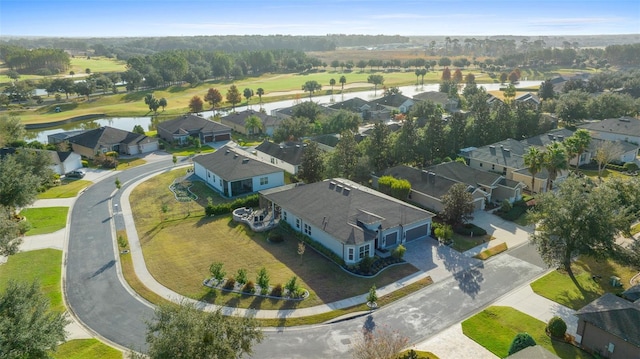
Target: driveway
438,261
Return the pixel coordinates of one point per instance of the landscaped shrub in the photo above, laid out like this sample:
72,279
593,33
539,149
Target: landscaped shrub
292,287
630,167
398,252
249,287
230,283
469,229
224,208
241,277
216,271
365,264
506,206
398,188
277,291
85,163
557,327
263,280
521,341
275,237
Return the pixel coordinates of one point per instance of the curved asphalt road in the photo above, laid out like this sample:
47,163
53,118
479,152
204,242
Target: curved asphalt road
98,298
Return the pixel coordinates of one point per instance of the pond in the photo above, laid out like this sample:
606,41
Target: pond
123,123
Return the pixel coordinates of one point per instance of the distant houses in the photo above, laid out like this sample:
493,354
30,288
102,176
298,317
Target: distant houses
286,155
237,122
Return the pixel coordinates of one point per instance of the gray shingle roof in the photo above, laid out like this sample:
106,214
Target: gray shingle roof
434,96
108,136
289,152
337,205
394,100
462,173
189,124
622,126
233,164
239,118
632,293
421,181
614,315
353,104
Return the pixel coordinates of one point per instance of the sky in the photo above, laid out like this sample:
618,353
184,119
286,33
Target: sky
134,18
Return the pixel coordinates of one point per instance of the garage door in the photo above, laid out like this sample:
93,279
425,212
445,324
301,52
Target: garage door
417,232
225,137
208,138
391,239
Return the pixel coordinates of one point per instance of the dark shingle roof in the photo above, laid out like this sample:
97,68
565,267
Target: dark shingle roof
337,205
421,181
233,164
462,173
622,126
353,104
239,118
632,293
192,124
108,136
614,315
434,96
394,100
290,152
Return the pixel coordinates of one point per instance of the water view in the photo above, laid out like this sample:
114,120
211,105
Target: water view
123,123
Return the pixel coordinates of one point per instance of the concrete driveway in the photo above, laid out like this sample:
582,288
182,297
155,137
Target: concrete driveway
438,261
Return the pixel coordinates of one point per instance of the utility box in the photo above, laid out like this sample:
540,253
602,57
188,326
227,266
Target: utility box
615,281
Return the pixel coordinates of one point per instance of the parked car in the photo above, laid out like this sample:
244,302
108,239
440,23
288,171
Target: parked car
75,174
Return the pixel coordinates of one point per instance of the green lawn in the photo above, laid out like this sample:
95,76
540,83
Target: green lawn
68,189
180,245
495,327
43,265
45,219
606,173
126,163
558,287
464,243
84,349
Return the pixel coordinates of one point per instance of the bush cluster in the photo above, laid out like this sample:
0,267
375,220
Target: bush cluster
277,291
275,237
469,229
557,327
249,287
224,208
230,283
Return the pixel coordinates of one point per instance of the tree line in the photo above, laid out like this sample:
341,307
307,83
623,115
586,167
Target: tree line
33,60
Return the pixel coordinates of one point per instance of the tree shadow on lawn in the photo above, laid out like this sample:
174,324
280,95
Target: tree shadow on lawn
135,96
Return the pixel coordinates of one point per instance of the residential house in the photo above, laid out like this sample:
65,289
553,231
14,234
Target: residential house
327,142
439,98
108,139
610,327
182,128
528,97
60,137
286,155
493,100
65,162
427,188
397,102
632,294
350,220
234,172
287,112
237,120
368,111
507,158
625,129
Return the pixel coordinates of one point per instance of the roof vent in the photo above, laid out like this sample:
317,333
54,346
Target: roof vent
332,185
227,151
235,155
339,188
245,160
492,146
346,191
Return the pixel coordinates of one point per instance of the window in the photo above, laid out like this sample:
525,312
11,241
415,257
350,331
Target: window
307,229
264,181
364,251
209,175
284,215
298,223
493,167
350,256
481,165
274,160
220,182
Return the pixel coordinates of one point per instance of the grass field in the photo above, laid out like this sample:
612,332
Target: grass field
464,243
488,253
126,163
68,189
43,265
195,242
84,349
45,219
558,287
495,327
79,64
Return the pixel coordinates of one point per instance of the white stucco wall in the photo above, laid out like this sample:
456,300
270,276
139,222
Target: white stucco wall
273,180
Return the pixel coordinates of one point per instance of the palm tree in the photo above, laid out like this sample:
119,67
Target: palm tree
555,160
253,124
343,80
533,159
311,87
260,92
375,80
422,73
417,72
332,82
578,143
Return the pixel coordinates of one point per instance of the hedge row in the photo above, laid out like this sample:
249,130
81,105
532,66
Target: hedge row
224,208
